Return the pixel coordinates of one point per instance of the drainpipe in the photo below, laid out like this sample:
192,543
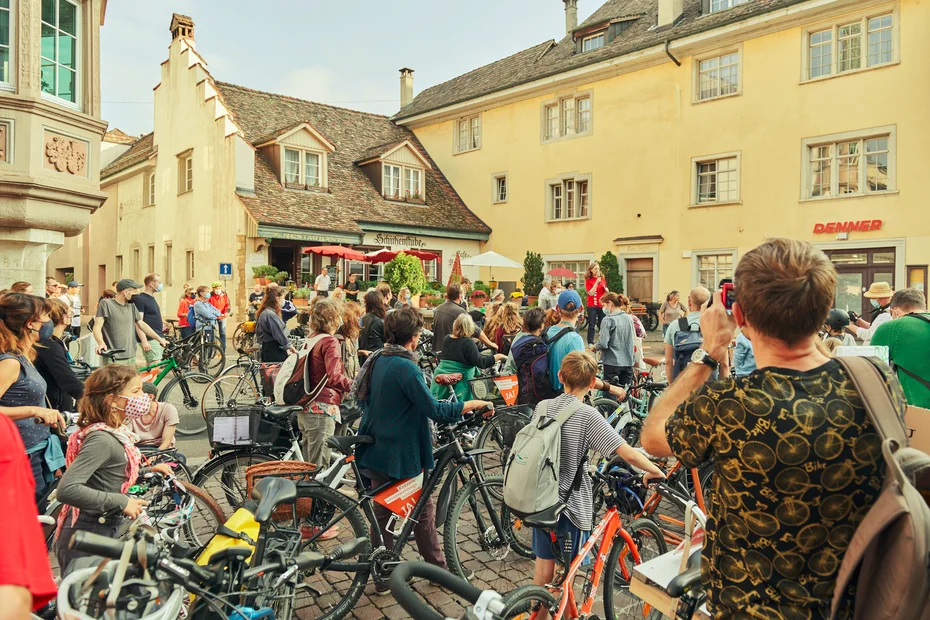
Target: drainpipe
669,53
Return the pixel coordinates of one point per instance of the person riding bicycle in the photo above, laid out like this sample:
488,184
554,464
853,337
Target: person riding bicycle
586,429
103,460
63,386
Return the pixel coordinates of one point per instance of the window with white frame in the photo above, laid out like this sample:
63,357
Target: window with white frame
5,32
150,189
718,76
60,47
569,199
189,265
391,181
413,183
567,116
716,179
576,267
291,167
311,169
500,188
849,46
714,6
431,267
850,166
302,169
711,267
185,172
593,42
468,134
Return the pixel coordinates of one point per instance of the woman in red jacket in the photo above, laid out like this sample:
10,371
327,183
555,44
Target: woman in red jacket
186,300
596,286
318,423
220,300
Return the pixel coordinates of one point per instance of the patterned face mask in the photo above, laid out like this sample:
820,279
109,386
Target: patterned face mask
136,406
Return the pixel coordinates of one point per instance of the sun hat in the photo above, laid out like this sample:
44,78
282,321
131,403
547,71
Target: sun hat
879,290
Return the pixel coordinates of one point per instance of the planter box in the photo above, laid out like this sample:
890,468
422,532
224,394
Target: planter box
301,303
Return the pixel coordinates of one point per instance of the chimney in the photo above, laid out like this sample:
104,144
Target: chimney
181,26
669,12
571,16
406,87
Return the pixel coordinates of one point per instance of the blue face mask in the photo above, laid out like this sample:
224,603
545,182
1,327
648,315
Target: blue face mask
46,330
874,303
208,295
160,286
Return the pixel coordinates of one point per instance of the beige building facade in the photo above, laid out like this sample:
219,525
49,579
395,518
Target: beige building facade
679,135
50,129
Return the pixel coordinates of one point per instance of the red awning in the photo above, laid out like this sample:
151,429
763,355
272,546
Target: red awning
384,256
336,250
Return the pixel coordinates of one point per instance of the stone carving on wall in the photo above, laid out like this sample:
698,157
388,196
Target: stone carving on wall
62,153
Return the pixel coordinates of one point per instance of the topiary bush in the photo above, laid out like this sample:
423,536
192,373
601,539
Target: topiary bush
532,274
405,270
610,267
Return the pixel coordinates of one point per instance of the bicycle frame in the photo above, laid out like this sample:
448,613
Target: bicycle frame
652,502
166,366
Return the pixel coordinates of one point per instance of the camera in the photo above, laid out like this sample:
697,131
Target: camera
727,292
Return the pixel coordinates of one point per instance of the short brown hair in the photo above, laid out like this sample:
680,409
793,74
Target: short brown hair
20,287
149,278
58,311
385,289
94,406
326,315
909,299
579,368
351,313
374,303
785,289
202,289
453,292
402,325
533,319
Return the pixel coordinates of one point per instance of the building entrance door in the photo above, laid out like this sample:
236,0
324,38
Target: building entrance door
857,270
639,279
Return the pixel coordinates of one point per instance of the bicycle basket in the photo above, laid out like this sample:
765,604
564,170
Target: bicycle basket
235,426
298,471
248,327
510,420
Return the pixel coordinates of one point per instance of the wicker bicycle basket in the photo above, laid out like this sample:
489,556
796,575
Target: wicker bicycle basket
298,471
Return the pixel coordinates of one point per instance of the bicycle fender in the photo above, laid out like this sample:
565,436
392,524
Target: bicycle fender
445,494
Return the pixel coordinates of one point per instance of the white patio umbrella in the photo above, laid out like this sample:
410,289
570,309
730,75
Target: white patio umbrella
491,259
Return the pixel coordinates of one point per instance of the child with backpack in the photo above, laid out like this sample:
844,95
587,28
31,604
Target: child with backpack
581,428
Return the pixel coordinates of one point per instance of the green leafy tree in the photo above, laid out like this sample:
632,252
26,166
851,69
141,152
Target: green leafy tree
610,267
405,270
532,274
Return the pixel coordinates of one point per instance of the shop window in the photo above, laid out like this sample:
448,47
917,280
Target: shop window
917,278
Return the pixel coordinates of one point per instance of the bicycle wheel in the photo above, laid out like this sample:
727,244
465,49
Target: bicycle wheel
186,393
340,584
205,516
650,544
472,544
223,477
491,437
209,359
227,392
522,602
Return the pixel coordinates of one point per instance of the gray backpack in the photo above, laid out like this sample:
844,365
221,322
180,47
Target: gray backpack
888,554
531,481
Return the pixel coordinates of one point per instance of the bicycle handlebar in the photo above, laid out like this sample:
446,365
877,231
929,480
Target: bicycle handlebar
410,600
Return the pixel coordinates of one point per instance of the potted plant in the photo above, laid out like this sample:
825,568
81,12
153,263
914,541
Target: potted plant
532,276
405,270
264,273
610,267
281,277
479,298
301,296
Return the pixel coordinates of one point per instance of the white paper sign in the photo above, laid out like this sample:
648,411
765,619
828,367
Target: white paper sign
881,352
232,430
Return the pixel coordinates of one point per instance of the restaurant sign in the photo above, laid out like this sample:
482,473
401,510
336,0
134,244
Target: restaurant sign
841,227
404,241
296,234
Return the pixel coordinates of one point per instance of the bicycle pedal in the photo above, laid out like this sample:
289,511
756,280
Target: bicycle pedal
306,586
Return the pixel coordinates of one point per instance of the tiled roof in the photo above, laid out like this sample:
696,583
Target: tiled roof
138,152
352,198
378,151
115,136
539,61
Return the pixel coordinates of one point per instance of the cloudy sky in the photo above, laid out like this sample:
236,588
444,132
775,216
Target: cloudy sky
343,52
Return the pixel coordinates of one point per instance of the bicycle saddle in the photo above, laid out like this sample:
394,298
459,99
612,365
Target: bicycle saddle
546,519
687,580
279,412
270,493
112,352
344,444
449,379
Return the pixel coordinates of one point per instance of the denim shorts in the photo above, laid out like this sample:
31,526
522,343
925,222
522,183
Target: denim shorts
570,538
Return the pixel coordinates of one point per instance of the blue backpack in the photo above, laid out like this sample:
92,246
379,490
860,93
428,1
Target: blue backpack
684,343
191,317
531,357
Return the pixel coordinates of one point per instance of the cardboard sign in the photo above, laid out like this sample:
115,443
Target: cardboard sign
401,497
508,387
917,419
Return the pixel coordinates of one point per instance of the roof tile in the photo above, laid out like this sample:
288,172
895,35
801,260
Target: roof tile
138,152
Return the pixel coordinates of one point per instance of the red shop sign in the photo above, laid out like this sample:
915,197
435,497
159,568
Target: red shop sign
838,227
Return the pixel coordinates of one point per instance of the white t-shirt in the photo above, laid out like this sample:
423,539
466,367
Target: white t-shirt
866,333
75,303
322,283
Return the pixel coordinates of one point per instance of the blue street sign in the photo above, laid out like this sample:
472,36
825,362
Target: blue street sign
225,271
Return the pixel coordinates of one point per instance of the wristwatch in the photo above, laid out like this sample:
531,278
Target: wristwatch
703,357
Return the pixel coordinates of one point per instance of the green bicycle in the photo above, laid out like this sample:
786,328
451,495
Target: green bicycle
185,390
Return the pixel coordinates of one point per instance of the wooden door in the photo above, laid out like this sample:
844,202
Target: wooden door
639,279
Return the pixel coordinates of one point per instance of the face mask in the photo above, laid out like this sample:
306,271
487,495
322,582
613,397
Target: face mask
136,406
218,291
208,295
874,303
46,330
191,295
160,286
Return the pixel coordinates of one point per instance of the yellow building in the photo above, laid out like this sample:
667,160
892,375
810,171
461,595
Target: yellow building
681,133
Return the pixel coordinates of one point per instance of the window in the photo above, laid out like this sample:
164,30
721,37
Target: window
713,6
716,179
391,181
150,190
593,42
851,46
849,164
431,267
5,13
169,264
60,21
567,116
119,267
302,169
291,166
312,169
189,265
500,188
713,267
718,76
569,198
468,134
185,173
576,267
413,187
151,262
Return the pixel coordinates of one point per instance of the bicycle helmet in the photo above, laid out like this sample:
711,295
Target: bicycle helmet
627,489
837,319
216,284
73,598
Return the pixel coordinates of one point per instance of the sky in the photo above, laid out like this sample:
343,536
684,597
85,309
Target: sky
344,52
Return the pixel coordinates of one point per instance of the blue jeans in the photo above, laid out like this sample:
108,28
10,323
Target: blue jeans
664,329
37,463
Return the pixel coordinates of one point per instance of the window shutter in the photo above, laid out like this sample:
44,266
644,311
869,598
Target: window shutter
705,7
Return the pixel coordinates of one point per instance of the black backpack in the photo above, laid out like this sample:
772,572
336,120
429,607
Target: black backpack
531,357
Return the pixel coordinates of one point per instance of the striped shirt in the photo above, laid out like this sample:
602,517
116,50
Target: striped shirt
585,430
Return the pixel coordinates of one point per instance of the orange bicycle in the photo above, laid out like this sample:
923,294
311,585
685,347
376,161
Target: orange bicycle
618,550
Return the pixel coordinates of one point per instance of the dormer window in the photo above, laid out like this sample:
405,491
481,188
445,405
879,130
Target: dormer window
299,156
397,170
715,6
596,41
302,169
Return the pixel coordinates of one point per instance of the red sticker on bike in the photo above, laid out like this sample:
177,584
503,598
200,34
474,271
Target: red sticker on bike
508,387
401,497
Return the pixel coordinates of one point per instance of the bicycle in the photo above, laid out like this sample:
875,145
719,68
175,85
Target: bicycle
629,415
485,605
183,390
204,353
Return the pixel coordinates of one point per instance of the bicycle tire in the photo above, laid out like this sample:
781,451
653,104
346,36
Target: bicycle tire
457,527
227,392
219,517
640,531
191,419
327,503
229,487
524,599
491,464
209,358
